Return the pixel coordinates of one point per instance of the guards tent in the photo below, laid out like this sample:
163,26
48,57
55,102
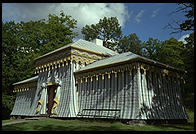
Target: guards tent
85,79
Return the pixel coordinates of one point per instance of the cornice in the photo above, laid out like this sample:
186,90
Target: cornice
24,87
64,59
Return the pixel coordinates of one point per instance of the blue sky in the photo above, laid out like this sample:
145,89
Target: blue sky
153,17
144,19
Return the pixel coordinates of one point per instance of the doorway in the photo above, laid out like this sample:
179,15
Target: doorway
51,94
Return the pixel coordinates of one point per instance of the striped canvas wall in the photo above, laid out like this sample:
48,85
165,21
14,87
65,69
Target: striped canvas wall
63,107
64,75
161,97
109,96
131,94
27,102
24,103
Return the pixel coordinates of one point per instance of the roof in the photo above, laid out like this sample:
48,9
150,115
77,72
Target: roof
120,58
87,45
93,47
27,80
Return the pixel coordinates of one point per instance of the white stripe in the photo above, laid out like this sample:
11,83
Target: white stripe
139,90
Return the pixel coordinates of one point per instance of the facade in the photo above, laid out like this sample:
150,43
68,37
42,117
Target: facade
83,79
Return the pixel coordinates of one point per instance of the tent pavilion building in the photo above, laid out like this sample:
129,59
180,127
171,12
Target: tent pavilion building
87,80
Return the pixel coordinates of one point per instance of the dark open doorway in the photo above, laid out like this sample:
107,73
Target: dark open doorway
51,94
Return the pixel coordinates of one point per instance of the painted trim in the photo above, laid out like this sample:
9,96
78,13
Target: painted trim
148,63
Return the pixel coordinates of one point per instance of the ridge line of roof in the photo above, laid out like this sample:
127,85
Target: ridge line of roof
26,80
75,46
56,50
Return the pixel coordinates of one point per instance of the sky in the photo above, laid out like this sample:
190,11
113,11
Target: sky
145,19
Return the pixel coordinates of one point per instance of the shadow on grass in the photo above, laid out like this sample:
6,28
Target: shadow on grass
187,126
76,128
51,127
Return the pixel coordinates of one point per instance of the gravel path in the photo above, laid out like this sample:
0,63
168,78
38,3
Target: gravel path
15,122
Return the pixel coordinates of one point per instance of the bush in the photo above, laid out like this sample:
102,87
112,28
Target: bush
189,101
7,105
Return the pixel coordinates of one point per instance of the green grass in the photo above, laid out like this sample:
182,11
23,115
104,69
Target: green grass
50,124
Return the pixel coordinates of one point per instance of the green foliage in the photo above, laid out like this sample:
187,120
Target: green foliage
176,54
10,44
108,29
130,43
44,36
187,53
188,58
189,100
170,53
151,49
7,105
90,32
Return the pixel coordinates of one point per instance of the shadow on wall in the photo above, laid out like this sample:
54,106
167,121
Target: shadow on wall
161,99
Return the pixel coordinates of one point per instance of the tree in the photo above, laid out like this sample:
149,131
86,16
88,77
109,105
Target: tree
108,29
151,49
10,44
171,53
90,32
44,36
188,48
188,58
7,105
188,23
130,43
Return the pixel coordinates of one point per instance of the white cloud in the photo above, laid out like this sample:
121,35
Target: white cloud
138,16
154,13
183,38
84,13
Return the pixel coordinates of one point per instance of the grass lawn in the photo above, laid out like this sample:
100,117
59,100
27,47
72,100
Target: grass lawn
50,124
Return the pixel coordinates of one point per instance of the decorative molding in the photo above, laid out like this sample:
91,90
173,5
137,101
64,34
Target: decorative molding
65,58
138,70
25,87
102,76
56,103
40,102
103,72
121,68
108,75
115,74
165,71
